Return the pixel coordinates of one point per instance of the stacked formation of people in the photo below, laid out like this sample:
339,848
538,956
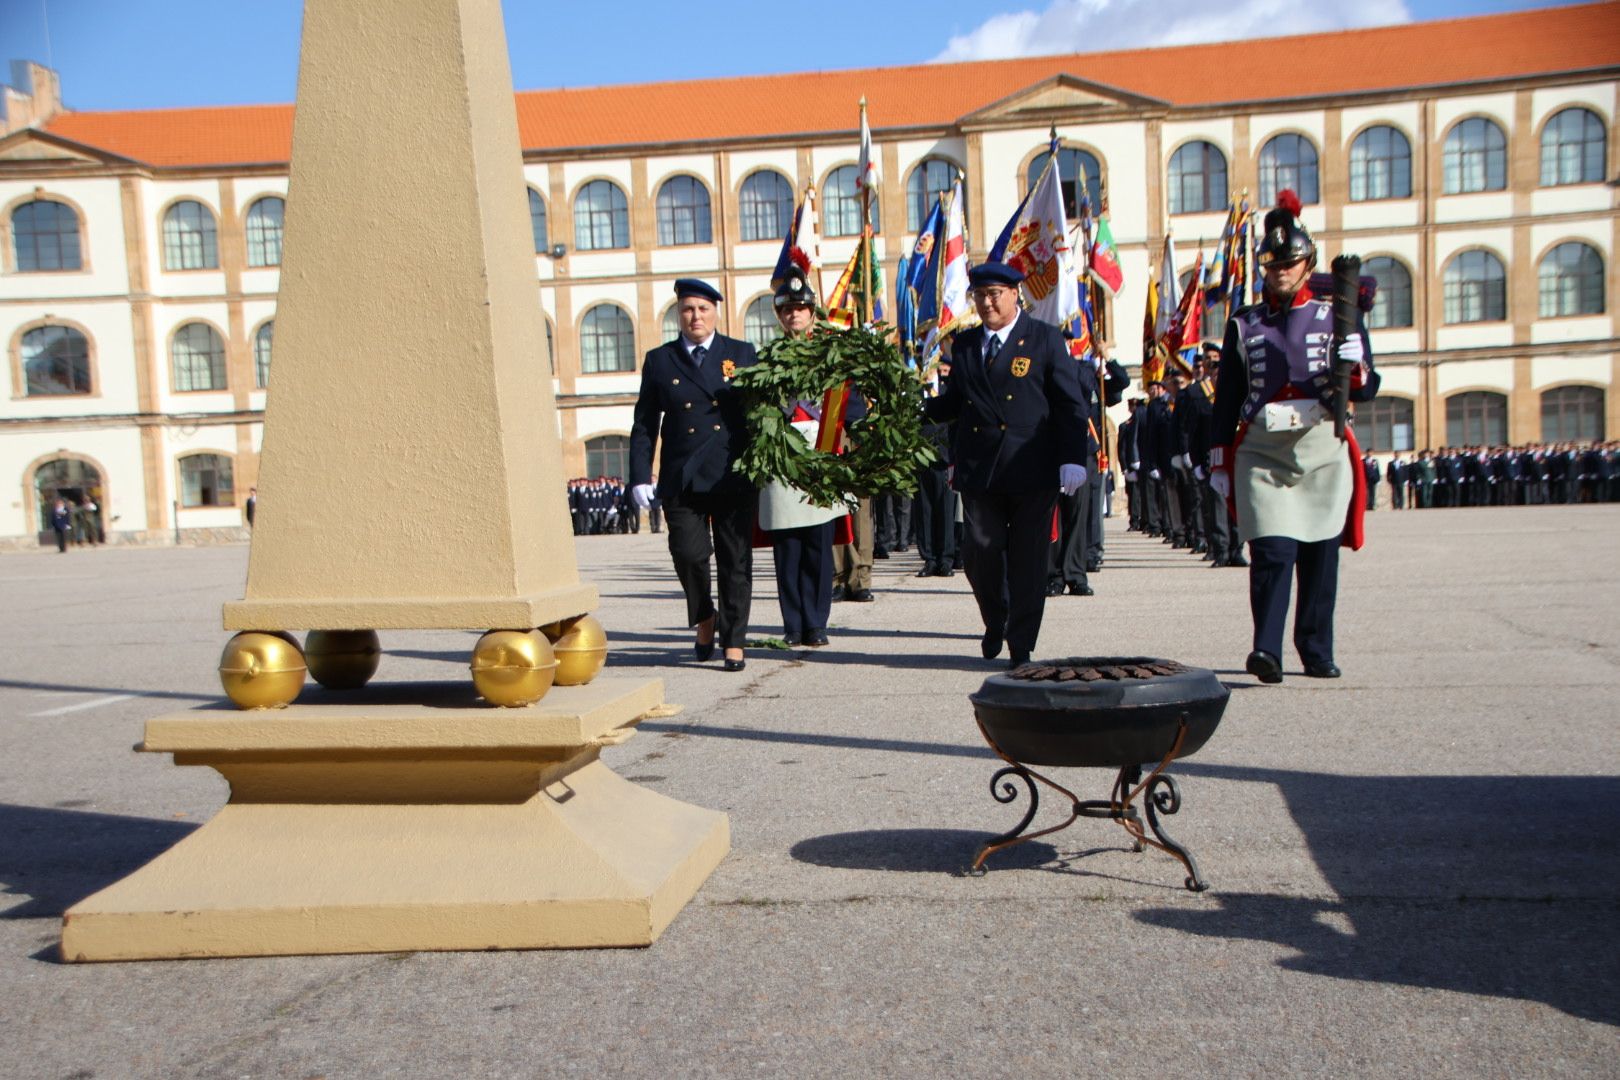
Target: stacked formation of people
1532,474
603,505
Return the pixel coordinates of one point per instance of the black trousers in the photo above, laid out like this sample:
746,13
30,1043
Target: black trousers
729,519
1133,499
936,519
1220,531
1070,549
803,559
891,513
1097,481
1274,562
1007,540
1189,489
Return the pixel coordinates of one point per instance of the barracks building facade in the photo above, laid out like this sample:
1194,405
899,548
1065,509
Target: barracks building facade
1471,163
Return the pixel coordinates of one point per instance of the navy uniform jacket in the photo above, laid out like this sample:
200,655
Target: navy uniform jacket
1195,413
699,416
1156,438
1021,419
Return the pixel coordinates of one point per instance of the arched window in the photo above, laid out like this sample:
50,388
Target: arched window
1380,165
601,217
1573,146
1288,161
199,358
261,354
607,455
45,236
683,212
1476,418
765,206
760,327
1476,288
671,322
55,361
607,340
1475,157
932,177
1197,179
205,480
1080,174
1384,424
264,231
1392,303
842,202
189,240
1212,326
1572,414
537,222
1571,281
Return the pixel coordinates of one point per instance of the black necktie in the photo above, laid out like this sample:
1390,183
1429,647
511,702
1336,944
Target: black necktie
992,346
698,353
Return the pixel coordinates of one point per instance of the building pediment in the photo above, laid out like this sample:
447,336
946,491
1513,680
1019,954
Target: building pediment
1055,97
33,145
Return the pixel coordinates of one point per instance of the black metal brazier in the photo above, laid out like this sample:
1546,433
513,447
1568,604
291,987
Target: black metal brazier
1116,712
1098,711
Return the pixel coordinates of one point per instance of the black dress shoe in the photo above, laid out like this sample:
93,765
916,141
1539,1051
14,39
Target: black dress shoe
956,564
990,644
1017,658
1082,590
735,665
703,651
861,596
815,639
793,637
1325,669
1238,560
880,553
839,595
927,571
1054,588
1264,666
944,571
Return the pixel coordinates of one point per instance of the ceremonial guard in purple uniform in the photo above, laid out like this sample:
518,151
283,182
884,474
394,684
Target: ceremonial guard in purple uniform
688,402
1020,439
1276,456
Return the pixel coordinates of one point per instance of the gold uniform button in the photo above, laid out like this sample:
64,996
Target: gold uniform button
1009,397
717,427
688,404
713,402
674,382
1003,427
691,431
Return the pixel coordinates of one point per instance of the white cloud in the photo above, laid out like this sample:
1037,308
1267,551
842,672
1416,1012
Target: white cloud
1067,26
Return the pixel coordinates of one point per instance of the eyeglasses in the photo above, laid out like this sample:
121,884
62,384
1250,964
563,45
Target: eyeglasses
991,293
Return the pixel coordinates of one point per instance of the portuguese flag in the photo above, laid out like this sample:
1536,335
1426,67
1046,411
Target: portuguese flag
1105,259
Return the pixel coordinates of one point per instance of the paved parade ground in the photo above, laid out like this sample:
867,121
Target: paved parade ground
1415,870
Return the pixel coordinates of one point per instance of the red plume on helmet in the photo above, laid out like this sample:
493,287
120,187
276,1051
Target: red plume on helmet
1288,199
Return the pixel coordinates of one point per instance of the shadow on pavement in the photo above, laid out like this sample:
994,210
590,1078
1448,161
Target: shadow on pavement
1506,886
57,857
914,851
69,688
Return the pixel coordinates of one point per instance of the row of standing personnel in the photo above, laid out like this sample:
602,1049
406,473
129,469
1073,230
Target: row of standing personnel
1531,475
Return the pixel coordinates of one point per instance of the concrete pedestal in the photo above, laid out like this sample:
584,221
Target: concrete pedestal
387,828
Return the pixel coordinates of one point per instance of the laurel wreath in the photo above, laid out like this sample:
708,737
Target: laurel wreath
884,449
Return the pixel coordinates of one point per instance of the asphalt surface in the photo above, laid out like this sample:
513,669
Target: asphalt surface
1415,869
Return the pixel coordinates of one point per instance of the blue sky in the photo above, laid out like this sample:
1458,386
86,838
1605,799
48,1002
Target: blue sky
137,54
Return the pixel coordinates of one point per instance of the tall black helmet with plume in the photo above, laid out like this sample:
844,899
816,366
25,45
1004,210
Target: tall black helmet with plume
1286,238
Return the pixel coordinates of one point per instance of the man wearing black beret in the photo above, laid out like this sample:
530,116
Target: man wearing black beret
687,400
1021,437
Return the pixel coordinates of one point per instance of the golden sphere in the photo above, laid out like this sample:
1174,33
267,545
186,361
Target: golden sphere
261,670
581,647
513,667
342,659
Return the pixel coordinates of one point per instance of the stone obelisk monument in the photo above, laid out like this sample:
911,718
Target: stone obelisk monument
411,479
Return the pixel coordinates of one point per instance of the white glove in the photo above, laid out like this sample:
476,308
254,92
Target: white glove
1220,482
1154,474
1070,477
1181,461
1200,472
643,495
1350,350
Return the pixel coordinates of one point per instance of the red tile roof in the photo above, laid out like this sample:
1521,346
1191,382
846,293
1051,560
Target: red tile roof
1538,42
